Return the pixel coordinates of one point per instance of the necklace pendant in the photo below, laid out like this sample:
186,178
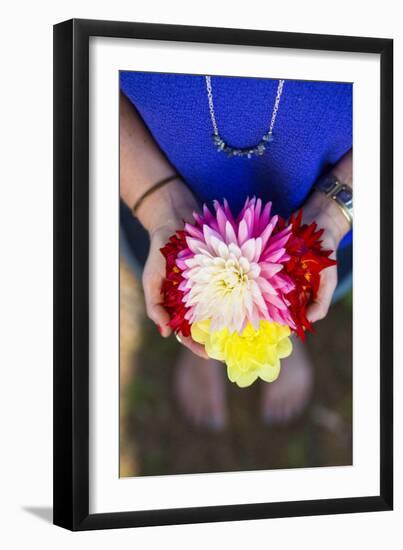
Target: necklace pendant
248,152
268,137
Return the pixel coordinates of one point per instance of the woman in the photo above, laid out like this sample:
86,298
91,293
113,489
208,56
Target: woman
280,138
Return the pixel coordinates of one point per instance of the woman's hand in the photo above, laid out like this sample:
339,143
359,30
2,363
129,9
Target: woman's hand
328,216
320,209
162,214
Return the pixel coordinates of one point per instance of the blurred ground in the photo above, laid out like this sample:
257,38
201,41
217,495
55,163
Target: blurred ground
156,440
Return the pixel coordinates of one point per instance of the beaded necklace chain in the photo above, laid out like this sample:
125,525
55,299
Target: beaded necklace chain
248,152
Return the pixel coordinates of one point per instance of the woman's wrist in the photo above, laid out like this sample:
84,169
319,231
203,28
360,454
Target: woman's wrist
168,206
325,210
327,214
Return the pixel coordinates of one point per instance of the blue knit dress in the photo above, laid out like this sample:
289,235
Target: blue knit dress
313,130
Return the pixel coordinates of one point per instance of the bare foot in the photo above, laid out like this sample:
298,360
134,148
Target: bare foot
200,389
286,398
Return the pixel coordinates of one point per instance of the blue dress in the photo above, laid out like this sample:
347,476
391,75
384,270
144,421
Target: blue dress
313,130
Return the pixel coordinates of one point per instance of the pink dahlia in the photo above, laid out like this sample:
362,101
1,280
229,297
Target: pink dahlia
233,268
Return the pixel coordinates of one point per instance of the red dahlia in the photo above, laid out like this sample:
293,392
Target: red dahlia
307,260
172,295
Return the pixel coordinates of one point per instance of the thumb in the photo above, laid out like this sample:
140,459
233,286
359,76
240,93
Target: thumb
320,306
153,277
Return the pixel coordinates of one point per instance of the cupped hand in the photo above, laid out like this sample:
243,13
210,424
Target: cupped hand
329,217
328,282
168,214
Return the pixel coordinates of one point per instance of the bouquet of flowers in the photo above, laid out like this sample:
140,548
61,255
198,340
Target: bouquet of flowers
240,286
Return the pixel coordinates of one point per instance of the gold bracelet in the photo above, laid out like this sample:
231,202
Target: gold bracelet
340,193
345,211
153,188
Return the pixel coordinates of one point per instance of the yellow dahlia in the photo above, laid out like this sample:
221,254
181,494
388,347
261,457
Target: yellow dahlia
255,353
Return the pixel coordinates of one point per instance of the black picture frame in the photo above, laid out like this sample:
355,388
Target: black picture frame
71,274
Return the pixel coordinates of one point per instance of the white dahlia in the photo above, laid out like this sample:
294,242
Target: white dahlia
233,268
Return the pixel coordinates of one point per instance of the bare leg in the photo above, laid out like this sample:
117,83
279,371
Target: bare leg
286,398
200,389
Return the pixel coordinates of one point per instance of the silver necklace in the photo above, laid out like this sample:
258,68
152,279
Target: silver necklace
248,152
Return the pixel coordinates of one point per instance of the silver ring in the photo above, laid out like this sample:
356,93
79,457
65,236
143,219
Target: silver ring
178,338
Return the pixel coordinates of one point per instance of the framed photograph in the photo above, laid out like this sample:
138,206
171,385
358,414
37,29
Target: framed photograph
222,335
